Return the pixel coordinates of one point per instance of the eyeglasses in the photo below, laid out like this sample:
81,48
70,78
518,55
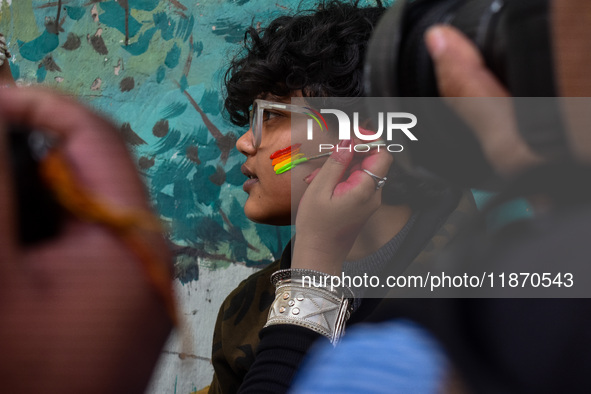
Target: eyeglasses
257,116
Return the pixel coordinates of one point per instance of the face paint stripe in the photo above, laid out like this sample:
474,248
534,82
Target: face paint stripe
290,165
284,151
280,159
292,159
282,164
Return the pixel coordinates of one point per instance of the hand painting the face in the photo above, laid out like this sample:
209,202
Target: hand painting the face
341,196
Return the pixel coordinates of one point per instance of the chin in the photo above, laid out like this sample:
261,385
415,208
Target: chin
263,216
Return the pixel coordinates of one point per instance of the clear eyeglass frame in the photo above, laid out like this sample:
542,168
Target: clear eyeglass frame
256,116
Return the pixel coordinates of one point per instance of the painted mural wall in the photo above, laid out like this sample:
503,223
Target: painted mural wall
155,67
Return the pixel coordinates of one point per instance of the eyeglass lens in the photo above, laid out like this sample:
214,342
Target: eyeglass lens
256,125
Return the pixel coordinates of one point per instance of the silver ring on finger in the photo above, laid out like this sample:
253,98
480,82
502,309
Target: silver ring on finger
380,182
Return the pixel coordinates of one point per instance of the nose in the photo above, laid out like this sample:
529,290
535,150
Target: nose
245,145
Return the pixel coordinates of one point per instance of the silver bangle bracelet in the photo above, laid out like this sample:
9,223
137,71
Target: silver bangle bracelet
320,309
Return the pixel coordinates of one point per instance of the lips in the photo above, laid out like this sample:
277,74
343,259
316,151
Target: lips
252,178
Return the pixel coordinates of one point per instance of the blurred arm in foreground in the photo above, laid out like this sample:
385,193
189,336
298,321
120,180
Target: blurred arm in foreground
78,312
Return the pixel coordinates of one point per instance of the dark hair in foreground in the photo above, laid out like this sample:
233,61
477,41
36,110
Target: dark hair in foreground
319,53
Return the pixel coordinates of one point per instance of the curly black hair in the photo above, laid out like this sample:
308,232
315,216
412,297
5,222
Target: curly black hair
318,52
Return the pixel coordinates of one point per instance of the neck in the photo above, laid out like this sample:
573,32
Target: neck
380,228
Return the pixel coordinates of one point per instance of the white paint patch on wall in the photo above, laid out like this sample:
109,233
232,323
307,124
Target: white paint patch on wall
183,369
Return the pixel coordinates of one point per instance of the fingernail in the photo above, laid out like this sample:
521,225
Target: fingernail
308,179
435,41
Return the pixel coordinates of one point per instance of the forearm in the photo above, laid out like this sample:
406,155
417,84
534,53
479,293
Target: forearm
279,355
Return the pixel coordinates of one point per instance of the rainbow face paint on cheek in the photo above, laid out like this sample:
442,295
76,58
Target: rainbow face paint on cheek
285,159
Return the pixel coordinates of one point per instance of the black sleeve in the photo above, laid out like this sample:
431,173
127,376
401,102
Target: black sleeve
279,354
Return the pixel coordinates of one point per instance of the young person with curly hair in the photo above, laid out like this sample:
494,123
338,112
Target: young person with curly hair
345,221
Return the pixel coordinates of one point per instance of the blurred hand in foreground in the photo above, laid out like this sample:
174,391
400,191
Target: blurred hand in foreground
461,72
77,314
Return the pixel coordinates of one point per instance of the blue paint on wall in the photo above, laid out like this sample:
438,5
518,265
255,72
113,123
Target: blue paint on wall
211,102
173,56
174,110
198,48
165,24
184,83
209,192
114,16
41,74
76,13
146,5
15,70
233,32
36,49
235,176
185,27
167,143
142,44
160,74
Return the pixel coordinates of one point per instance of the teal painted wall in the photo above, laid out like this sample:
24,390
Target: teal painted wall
155,67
